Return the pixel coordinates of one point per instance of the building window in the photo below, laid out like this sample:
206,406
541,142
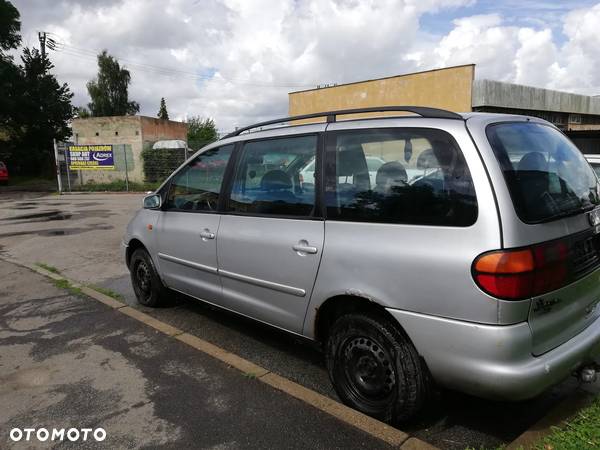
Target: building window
116,133
97,134
137,132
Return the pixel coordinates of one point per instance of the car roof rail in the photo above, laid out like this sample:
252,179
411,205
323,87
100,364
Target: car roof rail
423,111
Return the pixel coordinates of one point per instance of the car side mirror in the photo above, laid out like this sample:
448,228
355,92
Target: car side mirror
152,201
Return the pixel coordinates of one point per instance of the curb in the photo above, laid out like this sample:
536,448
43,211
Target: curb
356,419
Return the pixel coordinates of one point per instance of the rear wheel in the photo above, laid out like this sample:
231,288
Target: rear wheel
374,367
147,285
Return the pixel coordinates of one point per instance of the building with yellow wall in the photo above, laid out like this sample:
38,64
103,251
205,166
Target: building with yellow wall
457,89
448,88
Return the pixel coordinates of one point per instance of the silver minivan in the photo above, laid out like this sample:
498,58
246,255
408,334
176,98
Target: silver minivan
470,259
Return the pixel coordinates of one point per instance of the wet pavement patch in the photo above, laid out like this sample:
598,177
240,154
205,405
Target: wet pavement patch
57,231
20,207
53,233
44,216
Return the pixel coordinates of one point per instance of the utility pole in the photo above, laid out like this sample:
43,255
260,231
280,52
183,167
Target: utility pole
42,38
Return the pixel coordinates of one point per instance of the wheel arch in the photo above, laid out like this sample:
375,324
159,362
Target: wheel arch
132,246
338,305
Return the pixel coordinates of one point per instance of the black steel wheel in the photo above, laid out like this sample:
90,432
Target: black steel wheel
374,367
147,285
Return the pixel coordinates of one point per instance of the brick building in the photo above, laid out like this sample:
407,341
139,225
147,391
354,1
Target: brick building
129,135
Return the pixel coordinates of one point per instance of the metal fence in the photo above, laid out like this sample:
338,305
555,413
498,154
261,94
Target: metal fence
117,168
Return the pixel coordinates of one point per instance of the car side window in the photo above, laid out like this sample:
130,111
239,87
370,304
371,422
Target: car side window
274,177
401,175
196,187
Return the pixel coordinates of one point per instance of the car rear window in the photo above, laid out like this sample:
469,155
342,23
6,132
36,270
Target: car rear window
547,176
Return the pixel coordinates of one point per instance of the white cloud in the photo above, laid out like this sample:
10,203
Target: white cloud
581,52
237,59
482,40
536,58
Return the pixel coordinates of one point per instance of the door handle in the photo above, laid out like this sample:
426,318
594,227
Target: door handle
207,234
303,247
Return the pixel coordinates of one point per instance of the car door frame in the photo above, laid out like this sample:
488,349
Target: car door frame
319,209
318,213
164,189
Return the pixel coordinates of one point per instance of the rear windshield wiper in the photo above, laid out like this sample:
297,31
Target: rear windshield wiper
569,213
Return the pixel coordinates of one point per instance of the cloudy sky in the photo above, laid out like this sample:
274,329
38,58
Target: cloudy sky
235,60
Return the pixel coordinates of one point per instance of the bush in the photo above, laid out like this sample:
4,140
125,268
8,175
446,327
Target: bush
196,144
160,163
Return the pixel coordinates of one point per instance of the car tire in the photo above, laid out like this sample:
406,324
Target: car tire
375,368
149,289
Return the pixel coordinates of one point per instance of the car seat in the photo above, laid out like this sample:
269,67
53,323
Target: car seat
533,161
276,185
390,176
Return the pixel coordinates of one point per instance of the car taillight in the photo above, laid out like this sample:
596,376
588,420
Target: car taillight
523,273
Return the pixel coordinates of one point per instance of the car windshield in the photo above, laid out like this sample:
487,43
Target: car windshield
547,176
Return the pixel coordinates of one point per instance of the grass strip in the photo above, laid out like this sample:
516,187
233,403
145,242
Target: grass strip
580,432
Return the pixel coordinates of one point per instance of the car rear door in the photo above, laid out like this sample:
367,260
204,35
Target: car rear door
188,226
271,234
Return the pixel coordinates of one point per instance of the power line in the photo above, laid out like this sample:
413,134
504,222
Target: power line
84,53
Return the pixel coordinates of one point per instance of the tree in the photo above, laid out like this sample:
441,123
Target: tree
162,111
109,91
10,27
10,37
41,112
34,107
81,112
200,131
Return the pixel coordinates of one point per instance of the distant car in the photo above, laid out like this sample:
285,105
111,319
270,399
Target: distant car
3,173
594,161
307,175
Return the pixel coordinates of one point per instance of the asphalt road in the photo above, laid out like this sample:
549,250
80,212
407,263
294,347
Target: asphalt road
71,362
80,235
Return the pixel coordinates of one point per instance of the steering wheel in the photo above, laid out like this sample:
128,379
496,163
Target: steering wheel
211,204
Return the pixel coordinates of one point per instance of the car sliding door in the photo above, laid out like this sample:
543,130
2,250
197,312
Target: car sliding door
271,235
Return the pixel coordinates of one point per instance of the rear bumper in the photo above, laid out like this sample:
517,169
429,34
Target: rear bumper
495,361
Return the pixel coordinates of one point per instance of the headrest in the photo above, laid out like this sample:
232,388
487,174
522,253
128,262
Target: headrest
391,174
427,160
275,180
351,161
534,161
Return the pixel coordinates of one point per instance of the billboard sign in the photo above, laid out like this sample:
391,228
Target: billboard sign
91,157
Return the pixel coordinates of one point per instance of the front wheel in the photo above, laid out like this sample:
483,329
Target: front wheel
147,285
374,367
